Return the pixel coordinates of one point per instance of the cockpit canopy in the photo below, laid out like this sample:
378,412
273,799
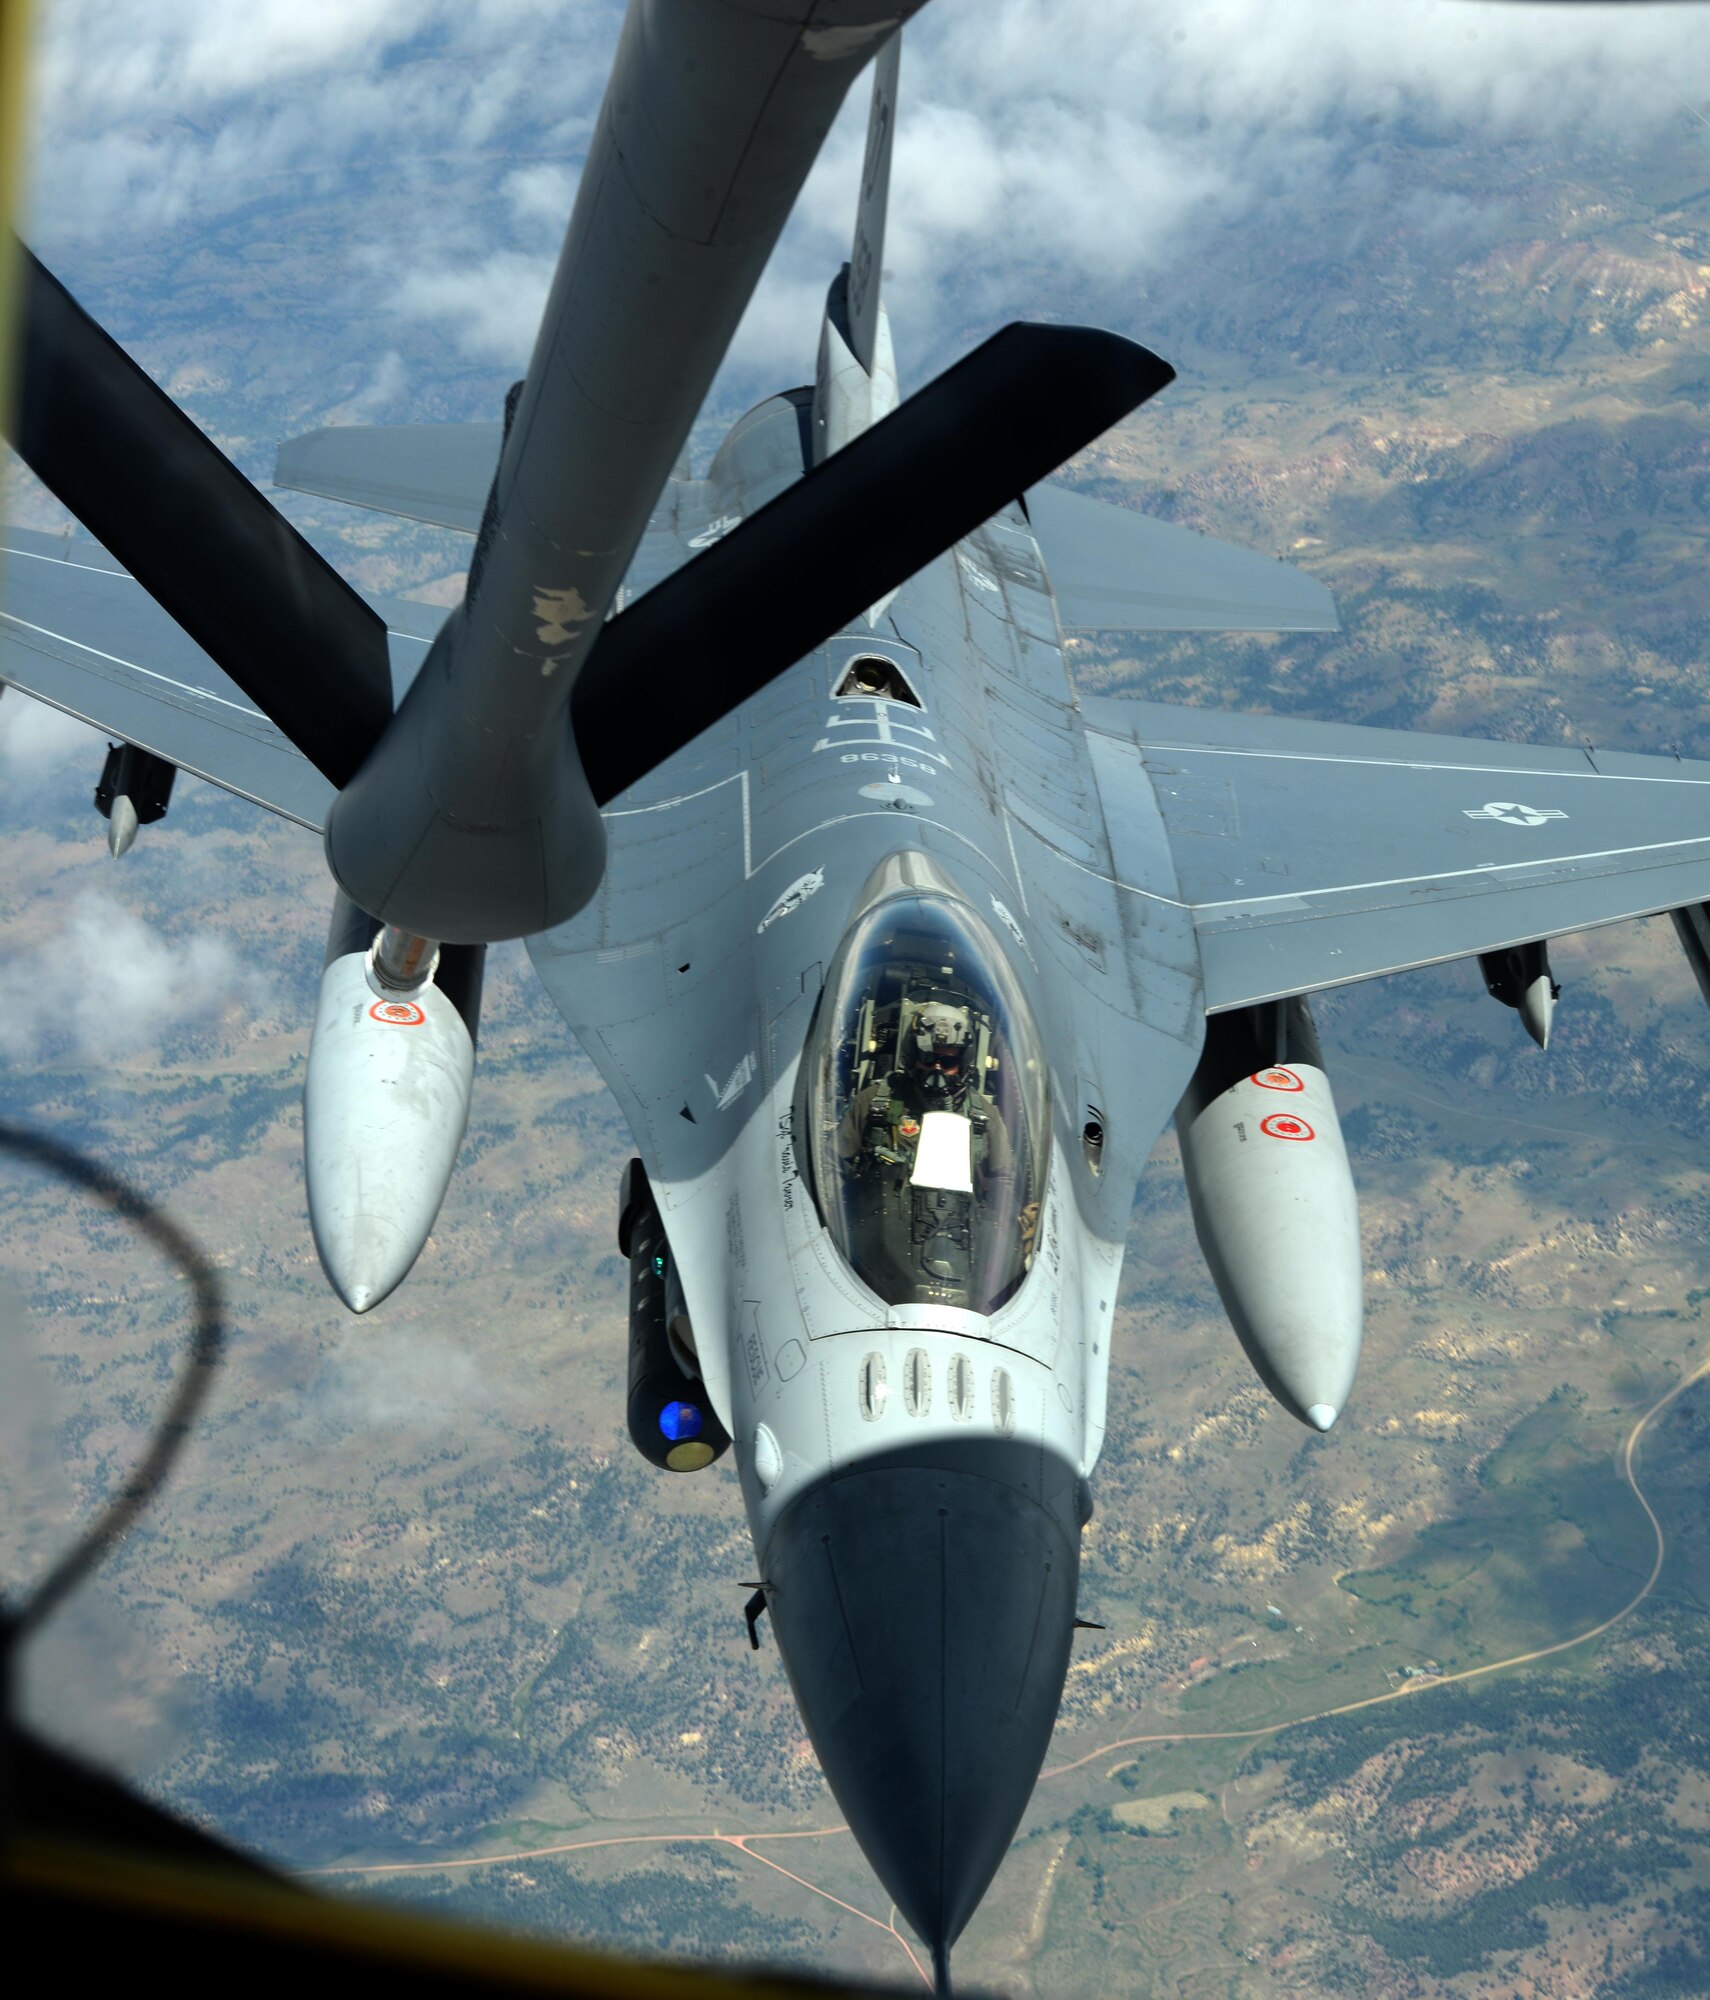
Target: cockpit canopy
927,1108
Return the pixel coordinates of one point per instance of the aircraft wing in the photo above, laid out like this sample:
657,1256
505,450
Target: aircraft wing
79,633
1311,854
1115,570
425,472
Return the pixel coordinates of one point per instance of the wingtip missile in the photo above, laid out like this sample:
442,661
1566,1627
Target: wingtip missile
1520,978
1537,1007
122,824
135,790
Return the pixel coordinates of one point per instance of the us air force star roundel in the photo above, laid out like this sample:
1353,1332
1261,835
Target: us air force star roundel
1513,815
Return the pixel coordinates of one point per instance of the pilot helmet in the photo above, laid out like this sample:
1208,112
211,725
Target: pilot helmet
939,1044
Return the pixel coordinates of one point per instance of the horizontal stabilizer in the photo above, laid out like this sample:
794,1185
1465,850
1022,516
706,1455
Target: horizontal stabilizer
79,634
871,516
201,540
1114,570
439,473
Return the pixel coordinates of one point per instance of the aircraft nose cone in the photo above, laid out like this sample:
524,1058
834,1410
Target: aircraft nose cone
925,1616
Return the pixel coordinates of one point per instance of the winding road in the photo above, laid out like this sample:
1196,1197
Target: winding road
749,1843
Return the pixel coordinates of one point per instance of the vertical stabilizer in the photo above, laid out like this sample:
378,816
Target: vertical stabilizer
855,381
867,260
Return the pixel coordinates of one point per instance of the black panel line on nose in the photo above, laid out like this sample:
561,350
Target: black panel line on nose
1033,1643
848,1630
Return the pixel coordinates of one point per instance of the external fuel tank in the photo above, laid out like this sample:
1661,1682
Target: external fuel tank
1273,1203
385,1104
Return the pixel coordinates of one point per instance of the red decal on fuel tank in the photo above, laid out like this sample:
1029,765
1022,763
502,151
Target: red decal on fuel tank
1277,1079
1281,1126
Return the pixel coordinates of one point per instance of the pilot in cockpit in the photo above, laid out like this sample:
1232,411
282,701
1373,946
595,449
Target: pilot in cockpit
933,1071
928,1108
926,1149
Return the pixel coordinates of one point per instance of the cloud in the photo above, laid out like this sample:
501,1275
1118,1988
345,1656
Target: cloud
148,116
380,397
36,744
490,307
1055,150
181,52
1251,69
403,1376
540,196
107,983
1050,151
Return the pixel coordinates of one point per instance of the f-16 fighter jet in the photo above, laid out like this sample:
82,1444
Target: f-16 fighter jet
897,954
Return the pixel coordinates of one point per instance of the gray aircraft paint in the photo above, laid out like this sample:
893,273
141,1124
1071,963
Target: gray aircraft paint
471,818
439,473
867,256
1136,867
681,949
385,1105
693,980
855,377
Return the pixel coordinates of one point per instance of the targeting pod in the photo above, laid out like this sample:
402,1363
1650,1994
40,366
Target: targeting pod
672,1422
1273,1204
391,1066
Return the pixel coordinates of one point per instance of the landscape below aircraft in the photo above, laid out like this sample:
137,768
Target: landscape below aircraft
897,953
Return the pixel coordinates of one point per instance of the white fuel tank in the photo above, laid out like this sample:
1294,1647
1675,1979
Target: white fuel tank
1274,1207
384,1111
